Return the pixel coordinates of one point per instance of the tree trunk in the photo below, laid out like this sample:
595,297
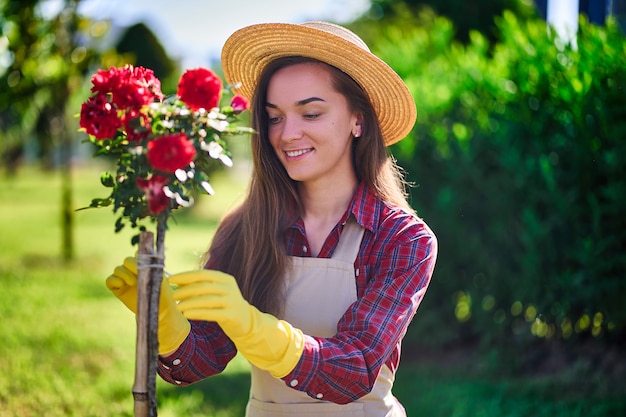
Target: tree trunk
67,212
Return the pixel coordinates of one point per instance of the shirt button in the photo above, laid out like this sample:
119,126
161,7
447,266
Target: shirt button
305,249
319,396
293,382
176,362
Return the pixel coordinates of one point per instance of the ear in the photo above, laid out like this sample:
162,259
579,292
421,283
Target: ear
357,130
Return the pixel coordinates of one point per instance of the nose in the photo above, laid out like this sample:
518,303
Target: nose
291,129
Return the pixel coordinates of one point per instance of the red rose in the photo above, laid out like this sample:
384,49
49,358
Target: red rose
99,118
130,87
146,77
171,152
153,188
239,104
136,125
200,88
105,82
136,87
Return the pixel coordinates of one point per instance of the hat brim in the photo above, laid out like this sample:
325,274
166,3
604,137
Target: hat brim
250,49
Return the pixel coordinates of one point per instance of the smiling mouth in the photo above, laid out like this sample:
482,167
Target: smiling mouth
293,154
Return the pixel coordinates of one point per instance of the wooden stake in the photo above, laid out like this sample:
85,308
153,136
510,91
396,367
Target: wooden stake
149,275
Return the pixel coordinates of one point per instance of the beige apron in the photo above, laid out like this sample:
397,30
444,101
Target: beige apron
318,293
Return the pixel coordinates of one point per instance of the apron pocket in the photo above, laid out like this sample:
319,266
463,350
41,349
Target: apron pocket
258,408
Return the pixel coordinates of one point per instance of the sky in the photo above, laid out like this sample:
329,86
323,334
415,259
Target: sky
194,31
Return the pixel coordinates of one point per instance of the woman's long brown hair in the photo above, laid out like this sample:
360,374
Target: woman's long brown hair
249,242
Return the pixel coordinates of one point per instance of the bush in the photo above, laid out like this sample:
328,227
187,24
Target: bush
518,159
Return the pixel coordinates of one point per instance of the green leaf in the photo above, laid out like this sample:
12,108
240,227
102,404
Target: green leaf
119,225
100,202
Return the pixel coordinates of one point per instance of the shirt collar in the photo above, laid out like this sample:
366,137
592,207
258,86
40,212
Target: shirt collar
365,207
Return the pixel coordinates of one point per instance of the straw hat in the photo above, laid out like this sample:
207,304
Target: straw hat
249,50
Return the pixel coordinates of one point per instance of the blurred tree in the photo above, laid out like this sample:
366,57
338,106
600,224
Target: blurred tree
465,15
139,46
519,161
45,55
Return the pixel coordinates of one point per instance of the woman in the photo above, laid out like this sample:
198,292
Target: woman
317,275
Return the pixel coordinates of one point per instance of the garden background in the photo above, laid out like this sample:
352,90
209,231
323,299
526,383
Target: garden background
518,164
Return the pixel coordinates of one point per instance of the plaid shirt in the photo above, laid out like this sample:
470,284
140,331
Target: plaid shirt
393,270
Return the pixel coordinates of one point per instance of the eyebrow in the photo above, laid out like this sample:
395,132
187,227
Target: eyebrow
298,103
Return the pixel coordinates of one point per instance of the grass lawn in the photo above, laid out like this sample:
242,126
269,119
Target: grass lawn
67,346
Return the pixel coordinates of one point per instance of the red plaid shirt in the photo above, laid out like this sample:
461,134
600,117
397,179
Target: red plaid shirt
393,270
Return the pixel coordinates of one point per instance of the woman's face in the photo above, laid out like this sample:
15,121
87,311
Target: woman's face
311,125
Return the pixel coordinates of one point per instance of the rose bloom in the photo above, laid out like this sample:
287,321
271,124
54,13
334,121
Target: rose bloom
200,88
99,118
130,87
136,88
136,125
105,81
239,104
171,152
146,77
153,188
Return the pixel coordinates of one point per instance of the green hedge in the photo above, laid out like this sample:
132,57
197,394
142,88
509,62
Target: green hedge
518,161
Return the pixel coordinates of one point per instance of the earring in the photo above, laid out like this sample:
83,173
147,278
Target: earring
357,134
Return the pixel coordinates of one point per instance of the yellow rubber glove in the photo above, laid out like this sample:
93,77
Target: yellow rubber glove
173,326
267,342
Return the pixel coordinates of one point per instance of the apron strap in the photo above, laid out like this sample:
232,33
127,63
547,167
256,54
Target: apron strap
349,242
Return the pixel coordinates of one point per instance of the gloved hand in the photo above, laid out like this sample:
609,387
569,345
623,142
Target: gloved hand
173,326
267,342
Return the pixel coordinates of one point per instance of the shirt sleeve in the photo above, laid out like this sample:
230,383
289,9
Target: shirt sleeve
343,368
206,352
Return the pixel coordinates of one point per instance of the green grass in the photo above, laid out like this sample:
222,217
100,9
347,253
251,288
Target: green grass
67,345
